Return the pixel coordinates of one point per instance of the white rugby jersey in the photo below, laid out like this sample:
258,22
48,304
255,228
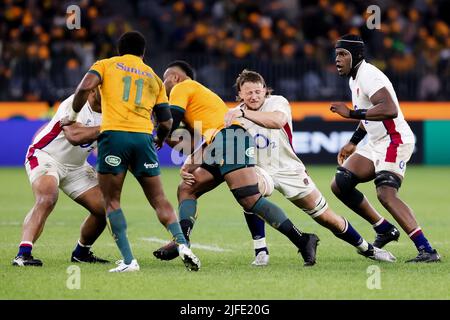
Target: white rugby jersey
274,151
52,140
369,79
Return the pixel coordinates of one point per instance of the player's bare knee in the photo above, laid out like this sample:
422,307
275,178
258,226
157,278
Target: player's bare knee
46,202
98,212
112,205
185,191
386,195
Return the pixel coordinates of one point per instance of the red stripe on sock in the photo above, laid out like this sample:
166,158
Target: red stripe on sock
416,233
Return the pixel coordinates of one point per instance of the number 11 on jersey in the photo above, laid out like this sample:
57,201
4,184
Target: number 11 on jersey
126,90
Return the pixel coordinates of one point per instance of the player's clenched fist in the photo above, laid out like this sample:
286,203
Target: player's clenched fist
340,108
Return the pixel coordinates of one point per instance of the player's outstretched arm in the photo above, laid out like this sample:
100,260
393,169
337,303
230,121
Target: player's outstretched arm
89,82
78,134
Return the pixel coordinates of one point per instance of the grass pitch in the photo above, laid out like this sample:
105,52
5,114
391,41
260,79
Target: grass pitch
226,248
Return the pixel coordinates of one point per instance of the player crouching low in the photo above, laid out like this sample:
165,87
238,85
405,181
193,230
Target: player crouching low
57,159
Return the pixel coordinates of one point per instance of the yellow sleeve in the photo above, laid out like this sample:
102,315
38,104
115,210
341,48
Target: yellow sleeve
162,97
98,69
179,96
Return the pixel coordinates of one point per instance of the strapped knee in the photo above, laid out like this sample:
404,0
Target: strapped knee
244,192
346,182
386,178
321,207
265,182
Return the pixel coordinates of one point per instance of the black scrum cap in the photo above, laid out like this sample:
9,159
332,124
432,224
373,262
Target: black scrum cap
353,44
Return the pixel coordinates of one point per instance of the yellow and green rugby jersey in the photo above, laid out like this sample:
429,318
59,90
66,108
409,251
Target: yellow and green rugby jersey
130,90
199,104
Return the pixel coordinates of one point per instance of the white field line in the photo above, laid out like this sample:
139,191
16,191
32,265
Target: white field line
193,245
19,223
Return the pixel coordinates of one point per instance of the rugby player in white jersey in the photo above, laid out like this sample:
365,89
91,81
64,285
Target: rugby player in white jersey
384,157
268,119
57,159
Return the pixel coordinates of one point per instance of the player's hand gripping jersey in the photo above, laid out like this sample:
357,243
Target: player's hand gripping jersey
52,141
277,164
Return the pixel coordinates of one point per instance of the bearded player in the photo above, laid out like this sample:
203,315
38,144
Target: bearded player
268,119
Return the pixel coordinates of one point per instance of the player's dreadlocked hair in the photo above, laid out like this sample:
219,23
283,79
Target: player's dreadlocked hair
132,42
183,65
250,76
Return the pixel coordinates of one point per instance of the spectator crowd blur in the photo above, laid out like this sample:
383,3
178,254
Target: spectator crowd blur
291,42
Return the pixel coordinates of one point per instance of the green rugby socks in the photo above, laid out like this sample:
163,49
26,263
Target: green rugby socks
177,234
275,216
119,231
188,214
269,212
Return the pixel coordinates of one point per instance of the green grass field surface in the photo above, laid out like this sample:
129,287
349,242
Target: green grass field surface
223,243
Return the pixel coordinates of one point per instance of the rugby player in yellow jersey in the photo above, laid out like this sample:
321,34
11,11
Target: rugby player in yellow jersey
131,93
227,155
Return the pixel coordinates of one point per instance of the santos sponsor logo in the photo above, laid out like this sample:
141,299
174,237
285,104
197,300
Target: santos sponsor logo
317,141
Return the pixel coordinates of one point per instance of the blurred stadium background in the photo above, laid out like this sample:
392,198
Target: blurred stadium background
289,41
